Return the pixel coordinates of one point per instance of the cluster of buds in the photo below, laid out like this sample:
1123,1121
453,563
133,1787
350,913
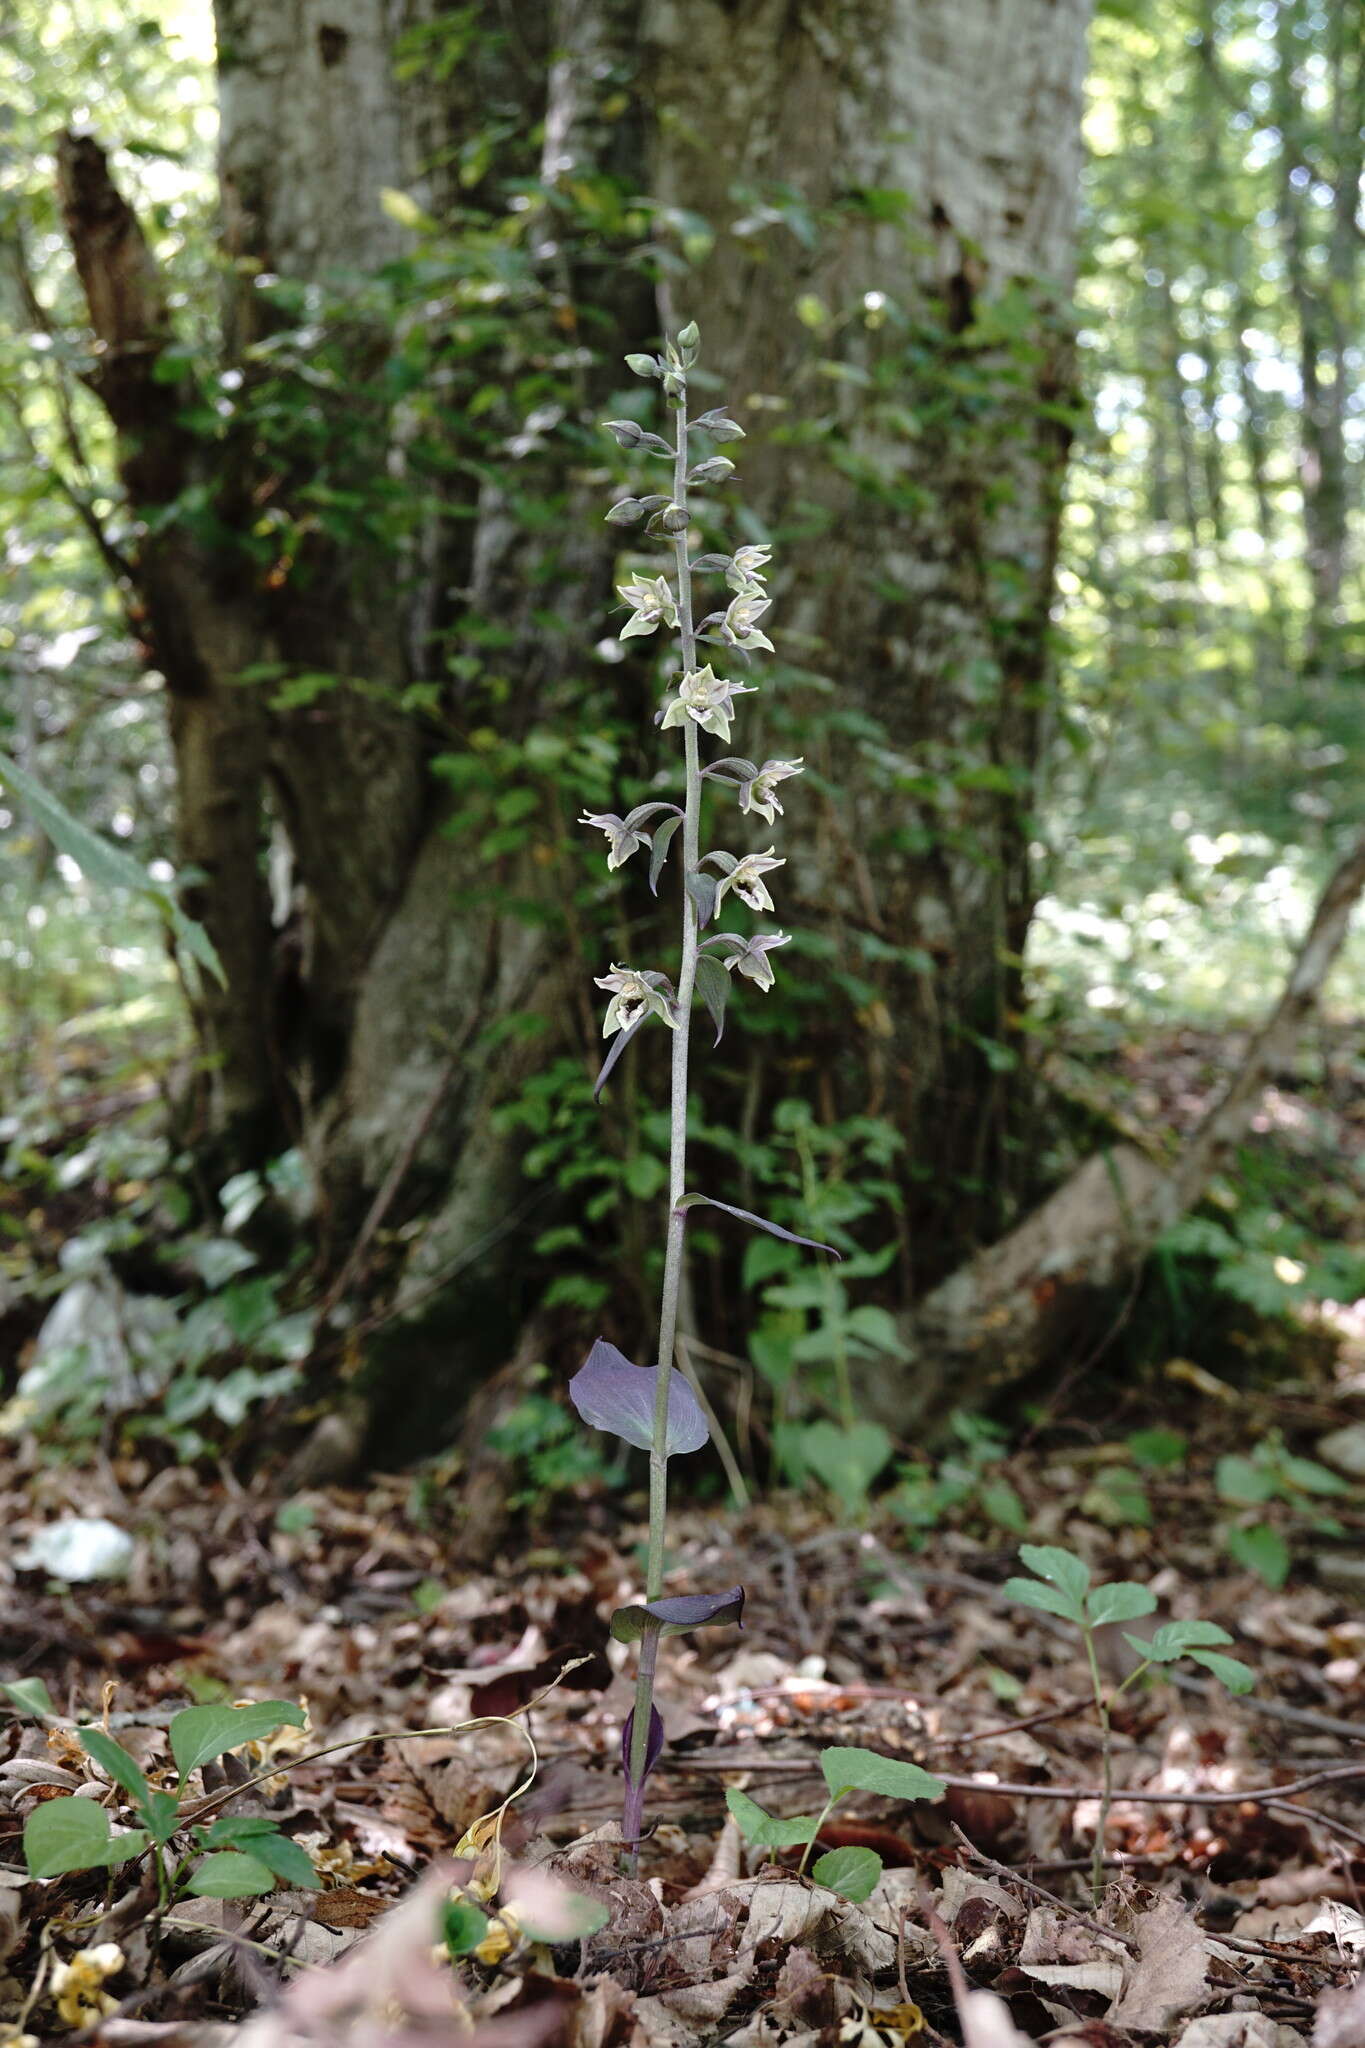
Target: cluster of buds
699,701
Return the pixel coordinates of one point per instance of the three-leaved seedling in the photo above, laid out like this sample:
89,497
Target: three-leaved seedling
653,1407
851,1871
1061,1586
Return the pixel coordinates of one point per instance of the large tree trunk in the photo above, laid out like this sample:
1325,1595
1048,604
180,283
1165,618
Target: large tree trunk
890,190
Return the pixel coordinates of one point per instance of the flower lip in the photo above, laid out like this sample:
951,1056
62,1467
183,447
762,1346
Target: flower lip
622,839
634,996
750,956
706,698
746,879
759,793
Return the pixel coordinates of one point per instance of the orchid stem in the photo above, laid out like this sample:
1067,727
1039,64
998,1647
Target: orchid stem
675,1240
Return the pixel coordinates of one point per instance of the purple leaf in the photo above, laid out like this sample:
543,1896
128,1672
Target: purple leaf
677,1617
760,1222
612,1394
653,1748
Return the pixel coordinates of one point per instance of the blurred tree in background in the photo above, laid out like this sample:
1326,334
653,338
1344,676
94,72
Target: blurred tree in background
306,449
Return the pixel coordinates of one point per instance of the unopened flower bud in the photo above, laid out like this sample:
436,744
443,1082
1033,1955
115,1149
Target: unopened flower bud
625,432
625,512
713,471
643,366
673,519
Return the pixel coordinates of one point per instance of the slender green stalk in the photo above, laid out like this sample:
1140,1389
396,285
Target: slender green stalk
1107,1797
675,1240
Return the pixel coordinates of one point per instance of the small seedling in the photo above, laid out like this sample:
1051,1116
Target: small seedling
1062,1587
234,1857
852,1872
654,1407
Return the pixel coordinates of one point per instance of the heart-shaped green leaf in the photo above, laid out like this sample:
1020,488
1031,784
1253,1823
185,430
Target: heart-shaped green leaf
231,1874
74,1834
853,1873
769,1830
202,1733
864,1770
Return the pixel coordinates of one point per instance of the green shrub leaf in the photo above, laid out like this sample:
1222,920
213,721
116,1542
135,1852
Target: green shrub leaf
74,1834
202,1733
1120,1600
853,1873
231,1874
864,1770
769,1830
1229,1671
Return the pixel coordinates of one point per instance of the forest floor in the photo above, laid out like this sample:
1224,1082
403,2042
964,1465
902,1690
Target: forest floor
464,1704
1235,1869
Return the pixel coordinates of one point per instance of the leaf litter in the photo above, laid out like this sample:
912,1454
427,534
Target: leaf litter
452,1906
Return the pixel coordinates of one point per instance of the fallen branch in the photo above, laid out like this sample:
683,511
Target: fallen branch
1033,1296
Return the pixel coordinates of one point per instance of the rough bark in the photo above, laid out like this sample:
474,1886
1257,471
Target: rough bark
921,583
917,492
197,632
1044,1288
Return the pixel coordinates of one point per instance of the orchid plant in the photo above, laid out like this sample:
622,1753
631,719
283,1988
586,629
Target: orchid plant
654,1407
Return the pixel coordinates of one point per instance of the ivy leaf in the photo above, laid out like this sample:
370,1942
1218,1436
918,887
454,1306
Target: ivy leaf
612,1394
692,1201
714,984
677,1617
853,1873
769,1830
202,1733
1120,1600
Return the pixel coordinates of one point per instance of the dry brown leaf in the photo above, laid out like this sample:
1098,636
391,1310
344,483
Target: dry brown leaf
1169,1974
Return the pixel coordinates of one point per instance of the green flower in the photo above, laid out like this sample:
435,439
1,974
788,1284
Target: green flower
746,567
633,997
652,604
760,792
708,699
739,627
746,879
